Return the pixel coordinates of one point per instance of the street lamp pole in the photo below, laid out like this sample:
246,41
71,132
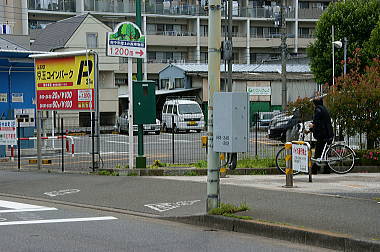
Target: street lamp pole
333,55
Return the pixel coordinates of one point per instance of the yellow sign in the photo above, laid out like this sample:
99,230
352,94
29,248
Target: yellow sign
65,83
74,72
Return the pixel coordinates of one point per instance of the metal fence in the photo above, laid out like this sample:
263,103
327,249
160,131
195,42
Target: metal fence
73,148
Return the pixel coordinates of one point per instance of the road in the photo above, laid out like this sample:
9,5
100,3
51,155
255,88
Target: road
32,225
183,196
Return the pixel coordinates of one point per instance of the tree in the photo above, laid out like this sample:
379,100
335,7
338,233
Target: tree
354,102
353,19
372,46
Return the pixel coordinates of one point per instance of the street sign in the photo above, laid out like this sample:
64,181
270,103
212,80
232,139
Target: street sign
65,83
127,40
300,157
8,132
259,90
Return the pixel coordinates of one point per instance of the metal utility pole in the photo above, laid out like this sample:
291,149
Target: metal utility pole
140,159
283,47
333,55
214,41
345,56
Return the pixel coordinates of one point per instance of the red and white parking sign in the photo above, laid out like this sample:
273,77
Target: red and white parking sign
8,132
300,157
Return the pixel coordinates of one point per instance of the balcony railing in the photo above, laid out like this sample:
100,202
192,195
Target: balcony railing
61,5
172,33
110,6
313,13
167,9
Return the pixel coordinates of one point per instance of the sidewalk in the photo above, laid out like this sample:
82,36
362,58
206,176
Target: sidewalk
334,211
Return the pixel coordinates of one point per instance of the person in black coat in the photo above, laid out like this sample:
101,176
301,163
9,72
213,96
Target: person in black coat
322,131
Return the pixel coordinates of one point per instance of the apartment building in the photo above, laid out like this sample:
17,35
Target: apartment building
177,29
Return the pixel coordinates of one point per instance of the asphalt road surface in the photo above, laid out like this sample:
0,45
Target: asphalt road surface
166,196
30,225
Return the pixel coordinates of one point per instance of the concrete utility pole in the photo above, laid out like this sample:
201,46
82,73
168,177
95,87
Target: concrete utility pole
229,85
214,42
283,47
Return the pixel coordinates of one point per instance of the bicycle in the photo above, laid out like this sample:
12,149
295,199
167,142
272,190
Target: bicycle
338,156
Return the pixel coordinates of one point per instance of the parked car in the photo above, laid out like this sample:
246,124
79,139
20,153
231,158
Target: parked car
187,115
288,127
265,118
122,125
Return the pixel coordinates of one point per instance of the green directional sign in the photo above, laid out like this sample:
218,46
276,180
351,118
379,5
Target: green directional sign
127,40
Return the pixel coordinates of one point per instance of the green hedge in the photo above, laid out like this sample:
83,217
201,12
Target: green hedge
368,157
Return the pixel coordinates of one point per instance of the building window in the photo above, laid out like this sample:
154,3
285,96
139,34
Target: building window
304,32
304,5
164,84
179,82
204,57
204,30
92,40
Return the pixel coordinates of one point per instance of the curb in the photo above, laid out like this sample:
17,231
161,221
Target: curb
304,236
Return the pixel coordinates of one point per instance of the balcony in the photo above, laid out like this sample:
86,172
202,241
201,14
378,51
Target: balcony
312,13
52,5
110,6
175,40
174,9
266,12
171,33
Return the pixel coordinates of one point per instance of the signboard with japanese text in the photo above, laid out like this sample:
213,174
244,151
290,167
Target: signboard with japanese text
8,132
65,83
127,40
259,90
300,158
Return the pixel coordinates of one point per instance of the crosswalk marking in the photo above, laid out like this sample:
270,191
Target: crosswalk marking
15,207
11,223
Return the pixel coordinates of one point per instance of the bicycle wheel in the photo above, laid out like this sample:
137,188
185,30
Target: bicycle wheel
280,161
340,158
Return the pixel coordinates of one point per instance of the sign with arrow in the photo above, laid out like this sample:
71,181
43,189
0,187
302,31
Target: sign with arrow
127,40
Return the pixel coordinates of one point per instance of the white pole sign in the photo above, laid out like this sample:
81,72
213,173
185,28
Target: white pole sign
8,132
300,158
128,41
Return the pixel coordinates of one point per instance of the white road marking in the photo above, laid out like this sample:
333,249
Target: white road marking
117,142
162,207
61,192
11,223
15,207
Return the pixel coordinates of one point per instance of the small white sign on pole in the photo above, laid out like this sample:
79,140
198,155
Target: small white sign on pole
300,158
8,132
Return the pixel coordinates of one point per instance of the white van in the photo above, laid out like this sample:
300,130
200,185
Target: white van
187,115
